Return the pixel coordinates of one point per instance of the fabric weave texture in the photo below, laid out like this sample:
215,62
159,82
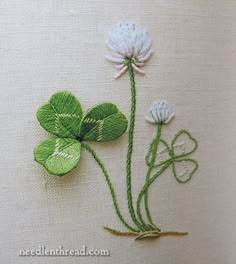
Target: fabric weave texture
48,45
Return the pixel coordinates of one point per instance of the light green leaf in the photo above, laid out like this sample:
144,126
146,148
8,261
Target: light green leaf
62,115
104,122
58,155
184,169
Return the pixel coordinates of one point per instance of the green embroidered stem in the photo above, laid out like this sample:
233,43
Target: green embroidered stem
146,186
155,165
130,145
154,147
108,180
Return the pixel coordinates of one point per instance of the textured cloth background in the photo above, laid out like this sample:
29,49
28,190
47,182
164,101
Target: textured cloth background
47,45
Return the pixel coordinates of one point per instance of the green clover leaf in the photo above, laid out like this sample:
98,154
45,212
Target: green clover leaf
183,167
62,115
177,153
183,137
103,122
58,155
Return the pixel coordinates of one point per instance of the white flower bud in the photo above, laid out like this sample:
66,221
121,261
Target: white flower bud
159,113
128,41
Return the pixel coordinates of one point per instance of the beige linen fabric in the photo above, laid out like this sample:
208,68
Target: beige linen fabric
46,45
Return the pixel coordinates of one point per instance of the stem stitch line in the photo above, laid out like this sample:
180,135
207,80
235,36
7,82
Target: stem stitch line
130,147
110,185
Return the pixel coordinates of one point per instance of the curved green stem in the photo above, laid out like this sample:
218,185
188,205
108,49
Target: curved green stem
146,186
108,180
130,147
152,162
150,151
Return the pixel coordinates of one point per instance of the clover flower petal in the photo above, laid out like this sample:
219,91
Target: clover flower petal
128,41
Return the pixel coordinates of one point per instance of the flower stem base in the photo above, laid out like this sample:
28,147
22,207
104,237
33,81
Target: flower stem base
145,235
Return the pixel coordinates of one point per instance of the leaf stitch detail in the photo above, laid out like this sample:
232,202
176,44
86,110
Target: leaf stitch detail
100,128
57,152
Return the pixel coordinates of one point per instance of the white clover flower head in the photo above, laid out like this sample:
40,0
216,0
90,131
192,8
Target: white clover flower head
159,113
128,42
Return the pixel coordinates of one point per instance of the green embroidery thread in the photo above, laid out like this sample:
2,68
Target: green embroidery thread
60,155
153,152
63,117
130,147
108,180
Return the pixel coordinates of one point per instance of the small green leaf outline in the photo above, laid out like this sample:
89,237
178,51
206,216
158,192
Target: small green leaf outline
190,174
183,157
181,132
176,158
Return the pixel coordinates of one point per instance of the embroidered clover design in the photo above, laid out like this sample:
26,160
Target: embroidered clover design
63,117
130,47
177,155
182,159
